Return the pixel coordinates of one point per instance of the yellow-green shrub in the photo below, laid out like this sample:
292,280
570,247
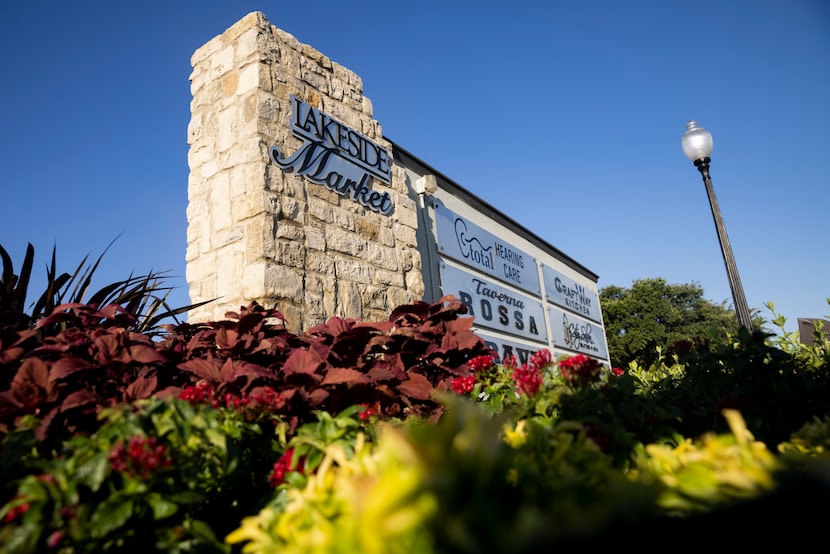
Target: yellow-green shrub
708,472
372,502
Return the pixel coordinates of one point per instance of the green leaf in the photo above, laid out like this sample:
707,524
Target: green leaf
23,538
314,458
198,421
296,479
164,423
187,497
698,481
93,471
203,531
161,507
111,514
217,439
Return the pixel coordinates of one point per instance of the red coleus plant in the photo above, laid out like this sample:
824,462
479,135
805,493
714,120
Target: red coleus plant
394,366
88,359
91,358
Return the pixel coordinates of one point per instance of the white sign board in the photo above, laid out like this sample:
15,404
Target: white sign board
571,332
567,293
493,305
466,242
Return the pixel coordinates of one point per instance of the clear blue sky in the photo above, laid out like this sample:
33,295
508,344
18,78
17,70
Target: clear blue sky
565,115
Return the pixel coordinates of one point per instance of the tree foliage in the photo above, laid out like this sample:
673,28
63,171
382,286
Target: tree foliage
654,314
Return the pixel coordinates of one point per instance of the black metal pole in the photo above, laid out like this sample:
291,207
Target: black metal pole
738,297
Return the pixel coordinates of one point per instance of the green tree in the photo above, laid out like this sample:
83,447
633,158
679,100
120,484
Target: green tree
653,313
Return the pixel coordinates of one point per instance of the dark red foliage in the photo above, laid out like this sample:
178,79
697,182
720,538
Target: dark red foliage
395,365
80,358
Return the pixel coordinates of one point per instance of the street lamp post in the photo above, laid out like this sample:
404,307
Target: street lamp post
697,145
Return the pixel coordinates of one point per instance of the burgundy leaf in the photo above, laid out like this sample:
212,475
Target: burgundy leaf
383,344
394,365
272,346
227,373
348,348
9,404
144,354
69,339
472,341
459,342
447,308
432,328
143,387
168,392
332,327
384,372
409,313
417,386
117,312
202,339
317,397
32,372
79,398
205,369
320,349
61,314
11,354
66,366
419,346
289,393
249,322
43,428
459,325
227,339
339,375
110,348
301,361
12,344
254,371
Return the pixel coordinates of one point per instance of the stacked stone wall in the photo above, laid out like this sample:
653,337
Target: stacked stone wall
257,233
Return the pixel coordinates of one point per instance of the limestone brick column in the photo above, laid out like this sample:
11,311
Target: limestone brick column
258,233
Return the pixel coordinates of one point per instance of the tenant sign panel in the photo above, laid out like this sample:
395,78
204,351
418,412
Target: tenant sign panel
571,332
493,305
567,293
464,241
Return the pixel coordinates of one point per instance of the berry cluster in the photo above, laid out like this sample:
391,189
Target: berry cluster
580,370
265,400
140,457
541,359
201,393
17,511
367,412
528,378
481,363
463,385
283,466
